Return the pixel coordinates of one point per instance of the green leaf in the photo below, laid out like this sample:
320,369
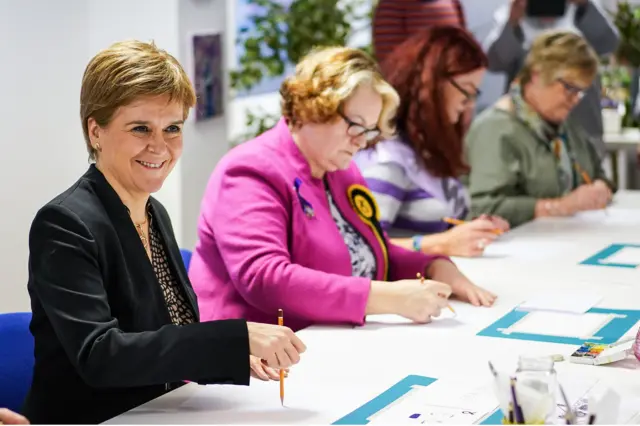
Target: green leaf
279,35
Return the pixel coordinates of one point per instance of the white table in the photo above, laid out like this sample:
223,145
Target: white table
345,367
623,144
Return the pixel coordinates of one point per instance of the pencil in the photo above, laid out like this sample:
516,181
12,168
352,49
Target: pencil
517,410
421,278
568,416
585,176
281,323
587,179
456,222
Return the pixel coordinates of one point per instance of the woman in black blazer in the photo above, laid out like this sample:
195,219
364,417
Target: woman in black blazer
115,319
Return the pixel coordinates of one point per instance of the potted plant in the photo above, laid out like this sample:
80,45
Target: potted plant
627,20
281,34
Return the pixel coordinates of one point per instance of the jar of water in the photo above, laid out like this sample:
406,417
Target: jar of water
536,388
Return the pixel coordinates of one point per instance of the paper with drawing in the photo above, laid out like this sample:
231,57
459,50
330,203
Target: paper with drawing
443,402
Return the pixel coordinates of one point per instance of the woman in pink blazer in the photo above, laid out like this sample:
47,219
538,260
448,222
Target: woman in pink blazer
287,221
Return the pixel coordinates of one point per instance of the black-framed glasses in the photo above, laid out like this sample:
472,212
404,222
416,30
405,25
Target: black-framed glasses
469,97
356,129
572,89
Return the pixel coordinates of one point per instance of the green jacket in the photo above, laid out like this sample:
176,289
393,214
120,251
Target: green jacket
511,167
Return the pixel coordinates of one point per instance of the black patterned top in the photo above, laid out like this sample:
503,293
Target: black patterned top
179,308
363,260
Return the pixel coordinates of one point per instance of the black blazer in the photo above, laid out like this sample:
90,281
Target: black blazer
104,342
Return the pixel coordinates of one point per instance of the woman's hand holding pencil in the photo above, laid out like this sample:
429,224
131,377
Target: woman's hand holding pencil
278,346
469,239
419,300
261,371
592,196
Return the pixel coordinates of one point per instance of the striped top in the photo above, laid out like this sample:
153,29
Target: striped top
396,20
410,199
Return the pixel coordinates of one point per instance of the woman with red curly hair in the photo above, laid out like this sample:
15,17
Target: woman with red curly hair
415,175
287,221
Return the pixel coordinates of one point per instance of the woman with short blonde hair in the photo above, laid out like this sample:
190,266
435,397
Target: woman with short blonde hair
528,157
287,221
115,319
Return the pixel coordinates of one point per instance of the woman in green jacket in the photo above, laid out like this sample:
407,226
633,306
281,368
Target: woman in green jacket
527,158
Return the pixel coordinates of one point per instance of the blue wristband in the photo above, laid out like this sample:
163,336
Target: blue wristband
417,242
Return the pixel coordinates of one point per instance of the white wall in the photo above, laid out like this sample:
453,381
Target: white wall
41,138
145,20
205,142
45,46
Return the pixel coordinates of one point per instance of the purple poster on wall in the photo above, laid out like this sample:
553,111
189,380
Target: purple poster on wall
208,77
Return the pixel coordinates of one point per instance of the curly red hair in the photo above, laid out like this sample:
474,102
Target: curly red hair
418,70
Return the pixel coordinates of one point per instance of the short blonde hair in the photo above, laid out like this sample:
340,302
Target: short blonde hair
555,52
124,72
325,78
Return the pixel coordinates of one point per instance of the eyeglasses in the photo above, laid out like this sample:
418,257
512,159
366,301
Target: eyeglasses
469,97
571,89
355,129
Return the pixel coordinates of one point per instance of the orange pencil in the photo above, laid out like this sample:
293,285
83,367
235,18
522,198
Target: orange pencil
281,323
587,179
421,278
585,176
456,222
452,221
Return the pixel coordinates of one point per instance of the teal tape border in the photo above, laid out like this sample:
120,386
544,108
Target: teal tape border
610,333
360,416
600,258
494,419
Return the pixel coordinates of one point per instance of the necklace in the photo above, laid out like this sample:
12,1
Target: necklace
143,237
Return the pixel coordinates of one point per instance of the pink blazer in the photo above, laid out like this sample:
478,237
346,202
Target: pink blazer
267,240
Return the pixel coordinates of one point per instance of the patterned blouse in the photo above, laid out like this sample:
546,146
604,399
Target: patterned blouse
179,308
363,260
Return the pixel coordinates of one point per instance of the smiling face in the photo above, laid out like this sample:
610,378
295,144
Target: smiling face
331,146
460,93
140,145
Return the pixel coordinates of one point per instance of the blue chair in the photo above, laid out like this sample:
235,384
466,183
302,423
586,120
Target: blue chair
186,258
16,359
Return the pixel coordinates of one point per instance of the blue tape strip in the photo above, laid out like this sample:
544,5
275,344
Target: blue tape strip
494,419
600,258
360,416
610,333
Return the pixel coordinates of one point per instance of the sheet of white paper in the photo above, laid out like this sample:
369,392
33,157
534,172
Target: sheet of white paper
397,319
443,402
610,216
526,249
625,256
584,326
574,301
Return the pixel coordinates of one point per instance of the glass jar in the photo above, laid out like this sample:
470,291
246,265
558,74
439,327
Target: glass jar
536,388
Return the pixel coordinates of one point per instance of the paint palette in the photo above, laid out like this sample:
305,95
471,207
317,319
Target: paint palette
599,354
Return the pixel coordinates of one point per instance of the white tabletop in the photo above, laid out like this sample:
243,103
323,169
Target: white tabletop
627,138
345,367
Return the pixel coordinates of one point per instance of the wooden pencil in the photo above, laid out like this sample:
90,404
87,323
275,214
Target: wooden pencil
281,323
421,278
